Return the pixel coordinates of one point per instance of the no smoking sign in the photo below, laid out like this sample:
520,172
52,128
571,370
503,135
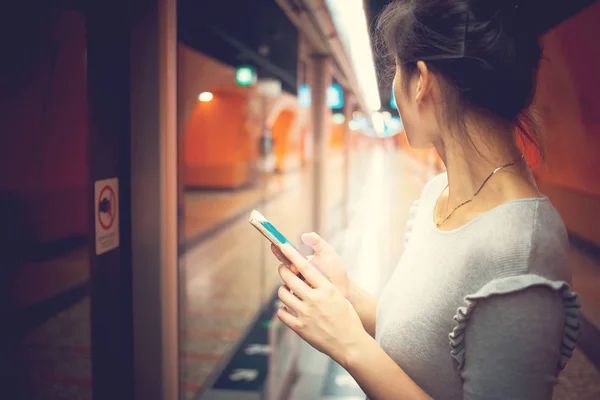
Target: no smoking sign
106,197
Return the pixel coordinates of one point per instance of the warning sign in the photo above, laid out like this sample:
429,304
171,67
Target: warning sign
106,195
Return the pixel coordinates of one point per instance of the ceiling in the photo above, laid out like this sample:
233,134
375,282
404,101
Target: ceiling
235,31
254,32
257,32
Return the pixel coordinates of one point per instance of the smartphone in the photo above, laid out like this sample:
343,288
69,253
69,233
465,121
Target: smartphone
267,229
258,221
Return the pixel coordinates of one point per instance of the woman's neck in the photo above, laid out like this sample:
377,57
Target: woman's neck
469,163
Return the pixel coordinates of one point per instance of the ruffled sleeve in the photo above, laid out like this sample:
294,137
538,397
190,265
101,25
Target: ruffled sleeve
517,284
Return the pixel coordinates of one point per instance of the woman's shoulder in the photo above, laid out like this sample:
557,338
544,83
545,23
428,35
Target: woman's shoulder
434,186
524,236
520,236
549,249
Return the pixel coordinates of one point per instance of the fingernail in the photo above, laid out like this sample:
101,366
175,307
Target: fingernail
309,239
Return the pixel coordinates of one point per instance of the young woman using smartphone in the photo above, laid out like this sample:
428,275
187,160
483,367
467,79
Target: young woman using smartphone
479,306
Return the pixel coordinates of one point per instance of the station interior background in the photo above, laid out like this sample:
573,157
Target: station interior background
227,275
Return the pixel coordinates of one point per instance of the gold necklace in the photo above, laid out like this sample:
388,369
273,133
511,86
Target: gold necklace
477,192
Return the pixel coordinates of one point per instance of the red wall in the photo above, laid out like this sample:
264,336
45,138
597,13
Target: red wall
43,163
568,101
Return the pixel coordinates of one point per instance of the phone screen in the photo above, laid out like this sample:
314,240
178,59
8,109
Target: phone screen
277,238
273,231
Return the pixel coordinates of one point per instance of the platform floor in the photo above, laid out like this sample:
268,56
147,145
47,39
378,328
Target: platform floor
231,273
228,272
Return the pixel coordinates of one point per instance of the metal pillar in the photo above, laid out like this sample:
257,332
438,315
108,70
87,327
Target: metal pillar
154,190
349,102
321,79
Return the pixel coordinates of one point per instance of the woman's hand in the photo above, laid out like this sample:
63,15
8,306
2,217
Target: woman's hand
318,311
330,264
326,260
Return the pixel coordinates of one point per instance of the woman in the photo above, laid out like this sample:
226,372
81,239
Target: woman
479,306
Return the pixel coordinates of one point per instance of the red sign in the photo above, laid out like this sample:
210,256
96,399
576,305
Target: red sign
107,207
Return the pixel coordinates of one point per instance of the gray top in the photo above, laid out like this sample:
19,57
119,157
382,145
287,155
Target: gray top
483,311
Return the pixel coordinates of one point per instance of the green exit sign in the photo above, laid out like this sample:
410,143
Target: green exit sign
245,75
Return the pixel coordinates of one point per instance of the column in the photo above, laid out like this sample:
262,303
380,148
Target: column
131,65
348,110
321,79
154,191
131,59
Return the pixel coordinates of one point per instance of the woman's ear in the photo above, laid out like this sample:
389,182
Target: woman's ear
423,82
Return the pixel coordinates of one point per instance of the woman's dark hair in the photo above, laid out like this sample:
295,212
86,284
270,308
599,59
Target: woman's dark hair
482,48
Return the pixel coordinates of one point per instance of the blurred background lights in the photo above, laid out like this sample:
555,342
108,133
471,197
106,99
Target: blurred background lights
354,125
350,20
339,118
205,97
245,75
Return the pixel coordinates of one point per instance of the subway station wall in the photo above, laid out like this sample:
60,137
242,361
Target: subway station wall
568,101
219,139
47,98
43,123
217,147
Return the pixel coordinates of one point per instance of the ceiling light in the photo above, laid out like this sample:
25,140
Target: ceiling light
205,97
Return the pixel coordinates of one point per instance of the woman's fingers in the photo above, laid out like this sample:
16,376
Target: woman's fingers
290,300
308,271
277,252
287,318
315,242
296,285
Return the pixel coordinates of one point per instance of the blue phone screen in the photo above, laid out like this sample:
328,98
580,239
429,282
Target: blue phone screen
268,226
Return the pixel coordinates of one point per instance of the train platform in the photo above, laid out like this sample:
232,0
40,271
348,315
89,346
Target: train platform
371,246
228,274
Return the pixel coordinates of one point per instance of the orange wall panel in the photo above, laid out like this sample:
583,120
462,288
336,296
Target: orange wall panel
281,138
198,73
219,139
568,103
214,133
568,100
217,143
336,140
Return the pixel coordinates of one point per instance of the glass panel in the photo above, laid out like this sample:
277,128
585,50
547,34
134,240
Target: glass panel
228,271
238,151
44,223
